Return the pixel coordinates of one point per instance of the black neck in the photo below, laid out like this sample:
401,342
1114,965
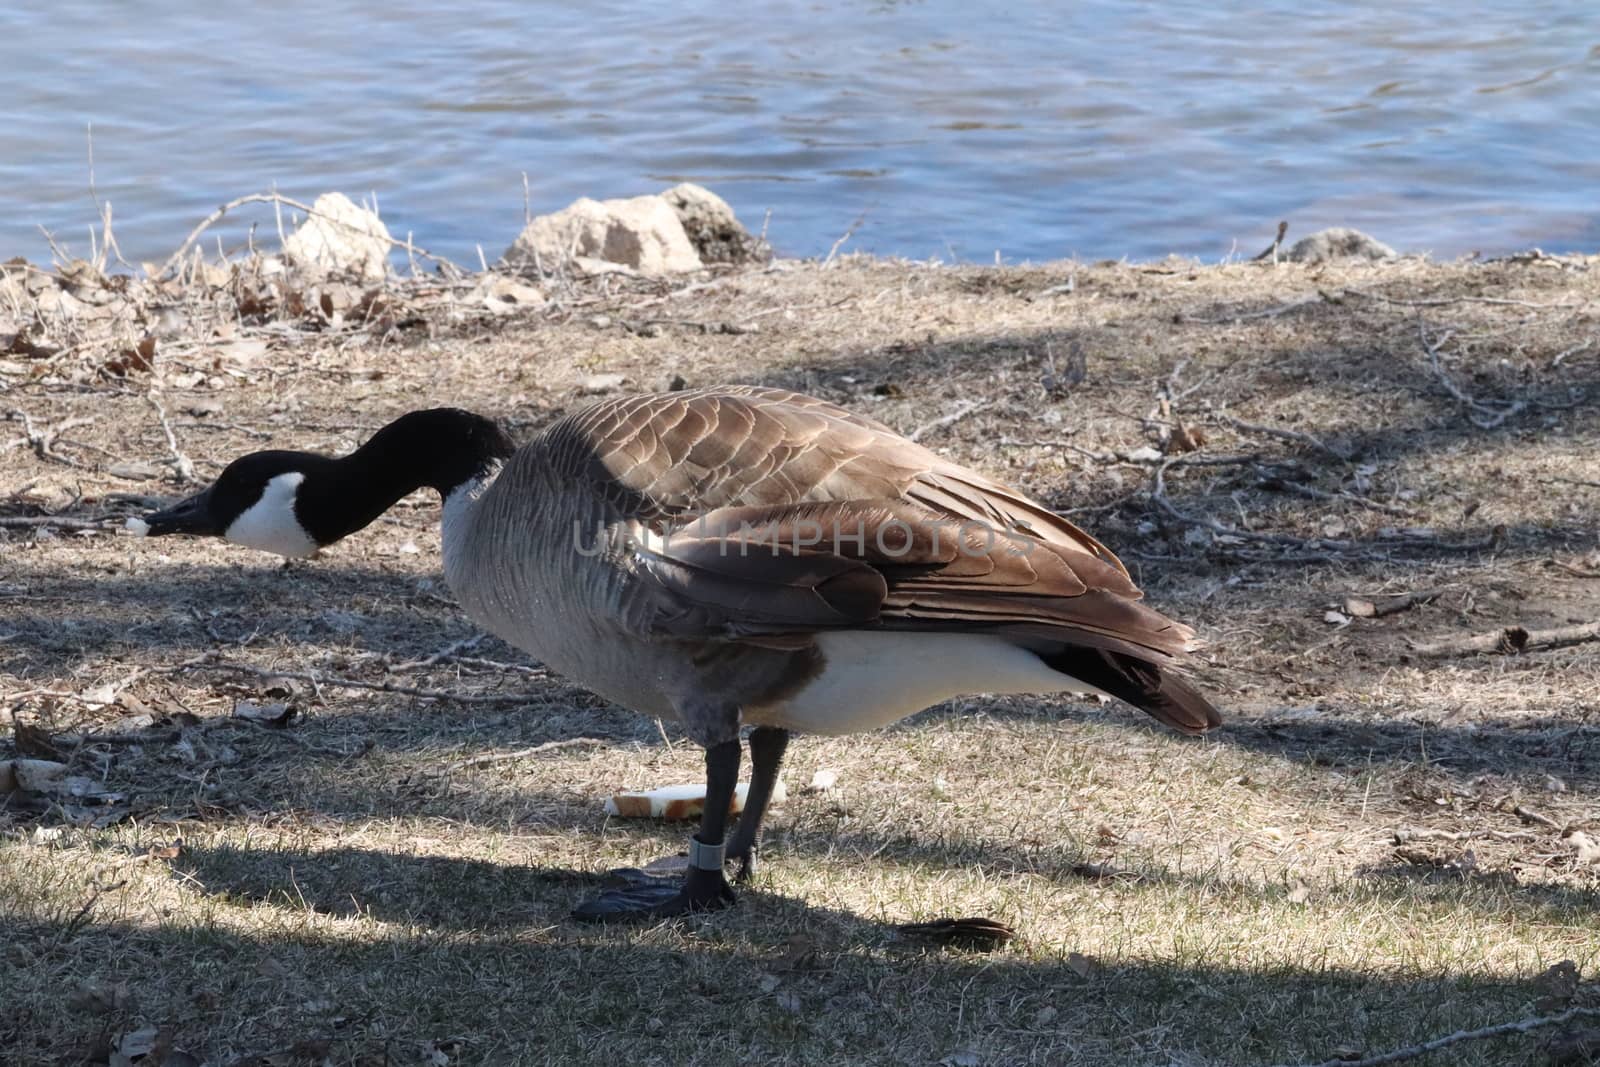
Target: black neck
441,448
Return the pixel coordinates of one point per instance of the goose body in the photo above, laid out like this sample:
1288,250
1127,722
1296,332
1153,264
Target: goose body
732,556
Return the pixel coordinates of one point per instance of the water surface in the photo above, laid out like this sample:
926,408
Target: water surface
952,129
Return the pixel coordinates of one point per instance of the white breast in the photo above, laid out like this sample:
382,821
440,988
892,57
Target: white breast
270,524
872,678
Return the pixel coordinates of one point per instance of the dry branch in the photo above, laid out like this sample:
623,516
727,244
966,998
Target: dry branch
1511,640
1284,435
1264,313
279,201
1271,251
947,420
182,465
23,522
1363,608
1411,1052
1407,834
523,753
1483,416
214,663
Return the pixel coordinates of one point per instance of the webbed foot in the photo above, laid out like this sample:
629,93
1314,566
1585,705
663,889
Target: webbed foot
640,896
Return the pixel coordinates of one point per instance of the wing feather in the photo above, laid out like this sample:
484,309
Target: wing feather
703,477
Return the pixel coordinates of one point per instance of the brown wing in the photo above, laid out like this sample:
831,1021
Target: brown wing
763,516
747,572
664,456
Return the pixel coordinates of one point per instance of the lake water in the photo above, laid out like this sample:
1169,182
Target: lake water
953,129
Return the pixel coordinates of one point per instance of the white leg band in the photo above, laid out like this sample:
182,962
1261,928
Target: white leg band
706,857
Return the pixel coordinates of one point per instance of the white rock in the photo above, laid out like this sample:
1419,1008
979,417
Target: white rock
1339,243
340,238
643,233
713,228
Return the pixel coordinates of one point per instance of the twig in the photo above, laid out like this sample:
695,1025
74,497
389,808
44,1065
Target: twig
283,201
1482,415
1406,834
844,237
522,753
1271,251
213,663
1561,357
1158,494
1284,435
20,522
182,465
1363,608
1527,814
448,652
1314,493
1447,301
42,440
1574,481
1511,640
1411,1052
1265,313
947,420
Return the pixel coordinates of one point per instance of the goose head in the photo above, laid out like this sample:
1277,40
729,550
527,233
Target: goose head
294,503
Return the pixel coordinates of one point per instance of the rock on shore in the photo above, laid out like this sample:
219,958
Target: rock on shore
679,230
340,238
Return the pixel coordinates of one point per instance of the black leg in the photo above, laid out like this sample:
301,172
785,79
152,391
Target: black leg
705,888
767,746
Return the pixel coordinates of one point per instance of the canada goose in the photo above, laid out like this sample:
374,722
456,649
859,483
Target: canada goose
735,555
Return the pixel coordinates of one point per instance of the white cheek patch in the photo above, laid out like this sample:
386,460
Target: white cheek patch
269,524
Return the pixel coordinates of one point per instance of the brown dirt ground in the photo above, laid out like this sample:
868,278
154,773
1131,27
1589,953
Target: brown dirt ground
350,889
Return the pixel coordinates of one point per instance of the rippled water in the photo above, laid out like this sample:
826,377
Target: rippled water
956,129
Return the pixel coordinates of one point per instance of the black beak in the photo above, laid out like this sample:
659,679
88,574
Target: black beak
192,516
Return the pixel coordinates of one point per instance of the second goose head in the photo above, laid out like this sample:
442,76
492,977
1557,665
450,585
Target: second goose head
293,503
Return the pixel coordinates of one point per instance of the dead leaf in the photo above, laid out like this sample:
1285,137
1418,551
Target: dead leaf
134,1045
99,695
141,357
35,741
1185,439
241,353
134,471
276,716
823,781
1588,848
976,933
1359,608
597,384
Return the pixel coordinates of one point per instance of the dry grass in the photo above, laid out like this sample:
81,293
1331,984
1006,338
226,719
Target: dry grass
347,891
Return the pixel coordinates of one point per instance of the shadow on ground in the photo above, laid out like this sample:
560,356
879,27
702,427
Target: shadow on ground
721,990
